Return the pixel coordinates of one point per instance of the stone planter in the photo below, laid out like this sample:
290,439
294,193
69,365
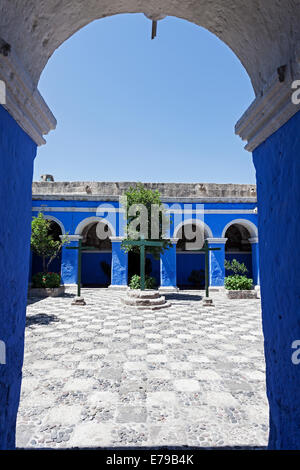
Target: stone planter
241,294
147,299
46,292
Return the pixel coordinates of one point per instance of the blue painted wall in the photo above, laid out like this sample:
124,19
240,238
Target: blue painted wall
71,220
155,272
17,153
216,223
186,263
168,277
69,263
92,272
277,164
119,266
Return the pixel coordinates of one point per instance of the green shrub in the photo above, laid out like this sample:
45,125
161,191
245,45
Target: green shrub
42,243
235,267
135,282
49,280
238,282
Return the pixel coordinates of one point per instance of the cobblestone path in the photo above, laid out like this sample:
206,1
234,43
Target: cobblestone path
106,375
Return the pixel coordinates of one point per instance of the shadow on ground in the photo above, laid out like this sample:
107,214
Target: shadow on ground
32,300
41,319
183,297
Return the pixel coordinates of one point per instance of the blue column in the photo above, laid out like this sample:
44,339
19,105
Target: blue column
30,269
255,260
69,261
217,262
119,265
277,166
17,152
168,272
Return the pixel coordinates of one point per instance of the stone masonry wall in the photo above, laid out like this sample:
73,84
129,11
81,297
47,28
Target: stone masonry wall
167,190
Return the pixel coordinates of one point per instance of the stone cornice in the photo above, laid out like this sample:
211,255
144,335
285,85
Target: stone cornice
269,111
217,240
71,238
116,239
253,240
23,100
170,192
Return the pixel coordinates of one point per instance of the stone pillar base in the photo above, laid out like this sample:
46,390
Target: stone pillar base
216,289
168,289
116,287
78,301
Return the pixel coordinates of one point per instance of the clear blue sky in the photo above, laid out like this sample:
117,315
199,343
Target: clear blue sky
129,108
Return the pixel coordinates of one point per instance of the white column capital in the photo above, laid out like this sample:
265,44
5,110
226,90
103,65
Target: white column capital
253,240
71,238
217,240
271,109
23,100
116,239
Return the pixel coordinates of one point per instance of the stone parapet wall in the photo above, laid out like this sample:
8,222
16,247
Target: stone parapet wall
112,190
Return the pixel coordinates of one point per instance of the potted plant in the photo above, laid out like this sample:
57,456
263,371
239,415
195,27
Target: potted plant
135,282
45,283
238,285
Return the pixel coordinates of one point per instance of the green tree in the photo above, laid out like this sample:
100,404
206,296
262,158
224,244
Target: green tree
239,280
145,217
42,242
235,267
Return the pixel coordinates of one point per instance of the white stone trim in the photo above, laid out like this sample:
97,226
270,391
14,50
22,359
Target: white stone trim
210,211
168,289
253,240
90,220
23,101
198,222
117,287
72,238
217,240
54,219
166,200
116,239
268,112
119,210
250,226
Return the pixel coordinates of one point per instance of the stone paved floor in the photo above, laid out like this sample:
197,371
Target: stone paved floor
105,375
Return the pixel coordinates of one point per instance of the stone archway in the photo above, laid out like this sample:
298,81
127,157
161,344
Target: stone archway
56,229
96,262
190,266
29,36
238,246
242,245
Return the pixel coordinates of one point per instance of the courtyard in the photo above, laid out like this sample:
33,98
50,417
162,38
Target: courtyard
105,375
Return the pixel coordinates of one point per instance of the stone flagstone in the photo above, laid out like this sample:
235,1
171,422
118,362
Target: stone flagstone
100,376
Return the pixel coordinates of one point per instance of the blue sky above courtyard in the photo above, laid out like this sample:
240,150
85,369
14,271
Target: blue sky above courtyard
132,109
